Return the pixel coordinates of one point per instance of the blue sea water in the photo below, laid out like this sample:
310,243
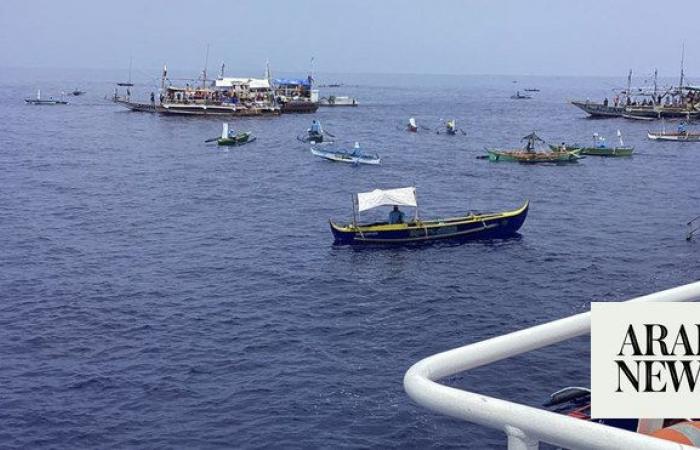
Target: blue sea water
157,292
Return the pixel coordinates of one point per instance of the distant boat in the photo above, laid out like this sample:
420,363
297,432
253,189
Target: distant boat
412,127
531,90
338,100
356,156
519,96
40,101
476,225
77,92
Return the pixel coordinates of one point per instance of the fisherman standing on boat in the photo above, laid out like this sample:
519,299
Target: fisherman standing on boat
153,98
396,216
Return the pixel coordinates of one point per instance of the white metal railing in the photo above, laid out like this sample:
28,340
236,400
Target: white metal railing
526,426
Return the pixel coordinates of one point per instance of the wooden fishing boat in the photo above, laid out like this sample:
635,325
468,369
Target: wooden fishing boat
240,138
356,156
472,226
232,138
312,138
673,136
43,101
528,155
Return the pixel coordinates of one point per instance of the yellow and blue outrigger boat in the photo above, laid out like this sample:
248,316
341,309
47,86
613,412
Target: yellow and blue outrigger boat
473,226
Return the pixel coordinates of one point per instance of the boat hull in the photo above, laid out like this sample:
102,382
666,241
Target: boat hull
241,139
599,110
675,137
534,157
194,109
461,229
346,157
299,107
608,151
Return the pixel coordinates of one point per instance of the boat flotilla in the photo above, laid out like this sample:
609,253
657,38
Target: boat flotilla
399,230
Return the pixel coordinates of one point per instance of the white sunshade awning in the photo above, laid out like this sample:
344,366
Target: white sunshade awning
378,197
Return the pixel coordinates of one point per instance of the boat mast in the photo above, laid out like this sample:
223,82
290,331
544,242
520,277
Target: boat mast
629,85
131,60
204,72
354,210
682,64
656,73
162,78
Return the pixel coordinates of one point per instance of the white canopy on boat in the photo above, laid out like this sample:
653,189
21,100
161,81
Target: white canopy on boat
253,83
378,197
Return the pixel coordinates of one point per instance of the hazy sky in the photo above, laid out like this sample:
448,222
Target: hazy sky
539,37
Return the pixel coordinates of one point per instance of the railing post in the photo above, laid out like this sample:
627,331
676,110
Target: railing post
517,440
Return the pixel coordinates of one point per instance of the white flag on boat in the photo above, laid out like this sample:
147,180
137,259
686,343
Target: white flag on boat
378,197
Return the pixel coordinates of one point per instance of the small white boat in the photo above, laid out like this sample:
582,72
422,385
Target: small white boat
338,100
680,135
42,101
677,137
356,156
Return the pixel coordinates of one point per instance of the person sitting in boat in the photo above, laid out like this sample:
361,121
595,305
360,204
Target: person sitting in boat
396,215
451,127
682,129
315,130
605,102
356,150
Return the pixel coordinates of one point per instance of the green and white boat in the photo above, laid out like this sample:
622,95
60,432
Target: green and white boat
600,148
233,138
528,155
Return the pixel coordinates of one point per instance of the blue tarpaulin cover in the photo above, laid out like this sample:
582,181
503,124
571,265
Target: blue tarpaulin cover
292,82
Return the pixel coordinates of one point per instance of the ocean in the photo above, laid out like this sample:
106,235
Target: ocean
160,292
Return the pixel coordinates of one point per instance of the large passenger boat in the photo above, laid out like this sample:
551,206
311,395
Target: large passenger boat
296,95
225,96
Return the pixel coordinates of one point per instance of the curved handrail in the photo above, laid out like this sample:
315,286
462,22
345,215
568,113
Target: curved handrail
525,425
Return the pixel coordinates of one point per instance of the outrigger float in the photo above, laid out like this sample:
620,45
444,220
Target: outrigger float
474,226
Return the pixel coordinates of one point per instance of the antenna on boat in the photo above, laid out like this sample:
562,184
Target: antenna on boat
629,84
311,72
223,66
131,61
268,74
682,64
656,74
163,77
204,72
